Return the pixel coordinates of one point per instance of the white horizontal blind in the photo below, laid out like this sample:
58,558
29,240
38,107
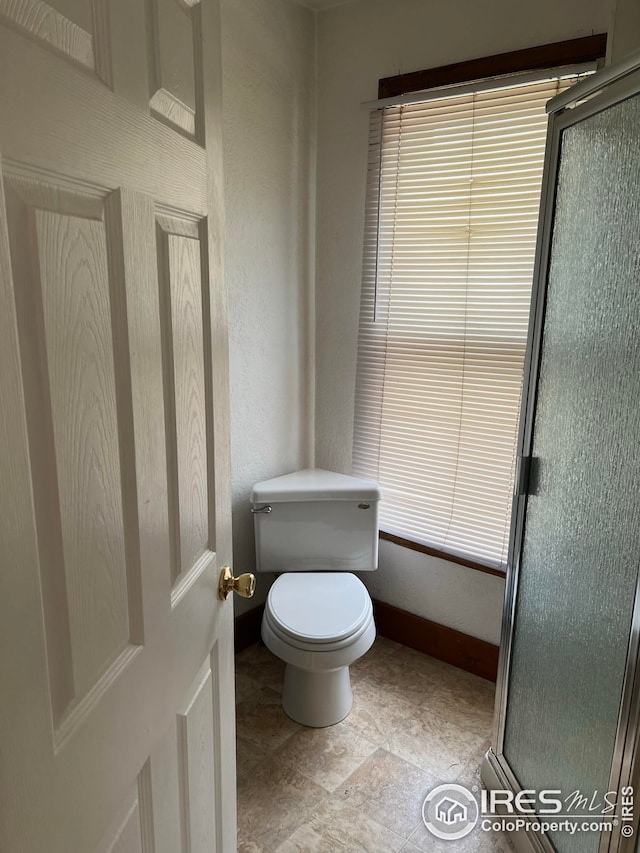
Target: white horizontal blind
452,208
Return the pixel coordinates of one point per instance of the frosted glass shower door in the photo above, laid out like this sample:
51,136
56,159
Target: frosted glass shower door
580,548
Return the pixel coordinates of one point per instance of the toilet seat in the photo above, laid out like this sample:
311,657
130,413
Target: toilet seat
318,612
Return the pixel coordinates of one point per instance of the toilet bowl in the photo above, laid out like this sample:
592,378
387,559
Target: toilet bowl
318,623
314,529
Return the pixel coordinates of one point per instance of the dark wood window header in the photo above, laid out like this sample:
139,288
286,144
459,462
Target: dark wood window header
574,51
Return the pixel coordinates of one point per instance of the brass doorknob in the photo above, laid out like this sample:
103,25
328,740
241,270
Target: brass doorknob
245,585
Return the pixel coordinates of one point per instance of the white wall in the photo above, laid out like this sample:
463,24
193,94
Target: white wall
269,134
624,34
466,600
357,44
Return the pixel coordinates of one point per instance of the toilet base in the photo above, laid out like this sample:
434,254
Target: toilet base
316,699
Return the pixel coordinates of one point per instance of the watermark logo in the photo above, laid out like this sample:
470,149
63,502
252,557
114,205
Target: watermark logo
450,812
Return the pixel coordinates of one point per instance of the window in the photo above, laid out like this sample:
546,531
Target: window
452,206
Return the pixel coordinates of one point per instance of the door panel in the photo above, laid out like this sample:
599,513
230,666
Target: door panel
183,331
581,547
116,655
68,322
74,28
127,832
196,763
173,48
116,139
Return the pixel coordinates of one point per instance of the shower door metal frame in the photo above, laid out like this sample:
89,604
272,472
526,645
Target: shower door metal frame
585,99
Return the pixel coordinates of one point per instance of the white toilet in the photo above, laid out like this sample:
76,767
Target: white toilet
314,528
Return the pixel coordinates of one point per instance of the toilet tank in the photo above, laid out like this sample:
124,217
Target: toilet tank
315,520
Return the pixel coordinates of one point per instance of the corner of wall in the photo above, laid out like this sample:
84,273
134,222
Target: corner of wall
270,129
624,30
312,266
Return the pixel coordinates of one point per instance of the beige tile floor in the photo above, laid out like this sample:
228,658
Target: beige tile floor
359,785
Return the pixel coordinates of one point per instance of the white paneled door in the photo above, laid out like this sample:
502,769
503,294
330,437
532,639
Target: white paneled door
116,666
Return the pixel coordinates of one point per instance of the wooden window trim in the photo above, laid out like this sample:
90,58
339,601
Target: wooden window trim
587,49
443,555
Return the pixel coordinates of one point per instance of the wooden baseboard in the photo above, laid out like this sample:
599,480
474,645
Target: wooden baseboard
431,638
247,628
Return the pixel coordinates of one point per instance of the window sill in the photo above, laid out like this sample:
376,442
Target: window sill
443,555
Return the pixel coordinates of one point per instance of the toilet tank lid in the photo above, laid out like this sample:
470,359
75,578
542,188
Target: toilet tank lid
315,484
